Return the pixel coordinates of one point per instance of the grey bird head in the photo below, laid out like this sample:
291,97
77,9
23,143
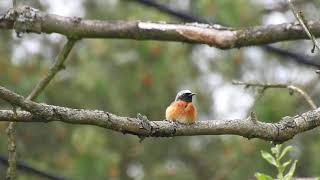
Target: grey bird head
185,95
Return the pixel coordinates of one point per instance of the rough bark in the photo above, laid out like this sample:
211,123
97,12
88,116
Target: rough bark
285,129
27,19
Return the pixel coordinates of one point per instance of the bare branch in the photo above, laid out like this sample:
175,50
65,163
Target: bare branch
12,154
23,166
187,16
298,58
11,173
257,84
57,66
303,23
213,35
279,132
270,85
14,3
304,95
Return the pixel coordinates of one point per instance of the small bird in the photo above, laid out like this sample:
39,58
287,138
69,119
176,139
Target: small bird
182,110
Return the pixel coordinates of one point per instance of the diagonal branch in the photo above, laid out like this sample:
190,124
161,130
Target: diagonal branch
32,170
302,59
213,35
302,21
57,66
278,132
173,12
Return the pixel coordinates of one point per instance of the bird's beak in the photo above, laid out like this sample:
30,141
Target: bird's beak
192,94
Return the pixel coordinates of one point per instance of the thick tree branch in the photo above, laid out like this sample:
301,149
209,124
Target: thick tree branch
213,35
281,131
186,16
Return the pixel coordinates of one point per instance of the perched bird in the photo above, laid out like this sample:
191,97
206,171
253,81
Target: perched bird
182,110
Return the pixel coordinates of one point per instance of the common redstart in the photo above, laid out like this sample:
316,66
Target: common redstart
182,110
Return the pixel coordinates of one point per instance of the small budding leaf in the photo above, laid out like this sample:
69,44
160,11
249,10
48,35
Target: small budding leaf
276,149
291,171
284,165
267,156
261,176
285,151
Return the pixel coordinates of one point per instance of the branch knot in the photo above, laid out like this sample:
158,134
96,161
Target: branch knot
286,123
26,19
144,122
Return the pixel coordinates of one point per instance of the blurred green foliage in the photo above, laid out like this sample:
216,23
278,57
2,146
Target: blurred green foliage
126,77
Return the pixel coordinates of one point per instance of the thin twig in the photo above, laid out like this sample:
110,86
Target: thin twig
304,95
270,85
14,3
257,84
27,168
162,7
57,66
303,23
296,57
257,97
11,133
12,154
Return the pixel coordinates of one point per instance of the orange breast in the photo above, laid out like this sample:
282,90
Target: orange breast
182,112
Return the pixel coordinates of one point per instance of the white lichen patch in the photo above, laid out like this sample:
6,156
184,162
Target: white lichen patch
157,26
201,33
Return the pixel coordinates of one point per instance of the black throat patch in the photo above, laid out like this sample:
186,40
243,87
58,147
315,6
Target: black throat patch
187,97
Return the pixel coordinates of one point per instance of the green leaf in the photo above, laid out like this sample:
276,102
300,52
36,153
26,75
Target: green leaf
284,165
267,156
261,176
275,149
285,151
290,173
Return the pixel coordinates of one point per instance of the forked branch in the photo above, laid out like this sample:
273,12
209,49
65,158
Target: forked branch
293,88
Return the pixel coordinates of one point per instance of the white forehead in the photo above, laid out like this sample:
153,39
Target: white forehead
180,93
